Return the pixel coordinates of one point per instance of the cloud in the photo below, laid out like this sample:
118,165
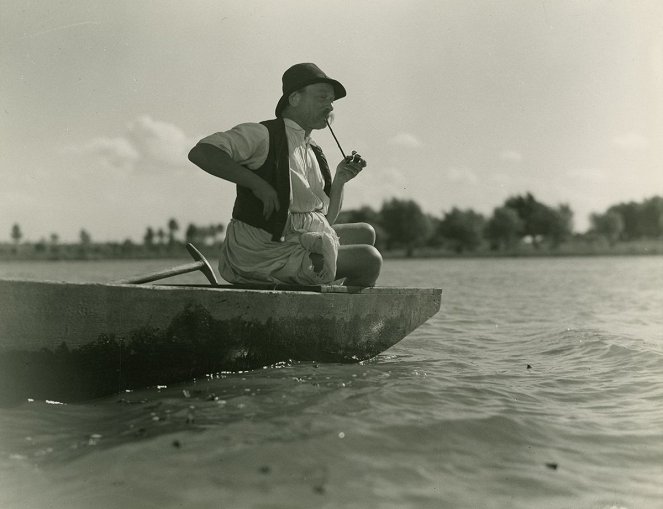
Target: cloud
159,142
406,140
631,141
147,145
115,152
462,175
511,155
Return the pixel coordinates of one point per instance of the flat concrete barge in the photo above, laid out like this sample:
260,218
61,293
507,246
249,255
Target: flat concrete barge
74,341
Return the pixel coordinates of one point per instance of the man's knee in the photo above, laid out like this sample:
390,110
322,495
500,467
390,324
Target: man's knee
355,233
370,265
359,264
373,258
368,233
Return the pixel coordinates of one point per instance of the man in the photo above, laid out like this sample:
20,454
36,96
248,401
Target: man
287,201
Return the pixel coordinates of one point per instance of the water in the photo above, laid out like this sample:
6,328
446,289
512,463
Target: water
540,384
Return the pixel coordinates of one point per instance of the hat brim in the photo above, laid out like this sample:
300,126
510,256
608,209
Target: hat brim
339,92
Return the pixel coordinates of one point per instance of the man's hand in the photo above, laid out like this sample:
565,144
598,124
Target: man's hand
349,168
219,163
267,195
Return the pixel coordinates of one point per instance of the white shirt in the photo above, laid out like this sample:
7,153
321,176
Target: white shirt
248,145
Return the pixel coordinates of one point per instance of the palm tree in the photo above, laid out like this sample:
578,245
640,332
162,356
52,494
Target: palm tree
55,241
148,238
192,233
17,235
172,228
85,241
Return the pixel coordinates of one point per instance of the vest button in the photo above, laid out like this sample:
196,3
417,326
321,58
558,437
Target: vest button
282,239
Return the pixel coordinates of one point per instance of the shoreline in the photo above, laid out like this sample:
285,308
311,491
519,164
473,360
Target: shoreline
99,252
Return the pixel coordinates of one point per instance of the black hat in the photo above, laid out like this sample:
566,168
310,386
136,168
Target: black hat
301,75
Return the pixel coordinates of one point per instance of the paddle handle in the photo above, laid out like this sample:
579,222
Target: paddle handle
200,264
174,271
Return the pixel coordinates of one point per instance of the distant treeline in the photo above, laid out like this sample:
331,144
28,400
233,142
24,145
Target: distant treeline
159,242
521,225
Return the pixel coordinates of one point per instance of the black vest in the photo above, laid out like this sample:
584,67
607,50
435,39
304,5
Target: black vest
276,171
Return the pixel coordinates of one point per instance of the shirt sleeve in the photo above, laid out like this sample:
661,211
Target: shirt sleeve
247,144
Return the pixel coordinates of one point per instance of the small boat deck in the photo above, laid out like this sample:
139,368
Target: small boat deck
76,340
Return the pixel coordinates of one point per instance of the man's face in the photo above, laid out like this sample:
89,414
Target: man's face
315,105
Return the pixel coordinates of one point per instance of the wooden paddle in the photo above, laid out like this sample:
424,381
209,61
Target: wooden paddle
200,264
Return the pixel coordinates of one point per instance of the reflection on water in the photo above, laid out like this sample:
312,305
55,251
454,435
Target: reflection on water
538,385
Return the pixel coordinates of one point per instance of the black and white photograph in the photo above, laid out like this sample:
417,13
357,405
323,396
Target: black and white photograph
297,254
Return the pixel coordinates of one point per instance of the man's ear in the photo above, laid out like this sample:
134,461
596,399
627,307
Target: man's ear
294,98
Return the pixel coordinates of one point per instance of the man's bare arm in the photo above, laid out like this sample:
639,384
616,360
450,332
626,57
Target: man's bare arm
217,162
345,171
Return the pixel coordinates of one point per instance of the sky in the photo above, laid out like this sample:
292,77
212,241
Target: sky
458,103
